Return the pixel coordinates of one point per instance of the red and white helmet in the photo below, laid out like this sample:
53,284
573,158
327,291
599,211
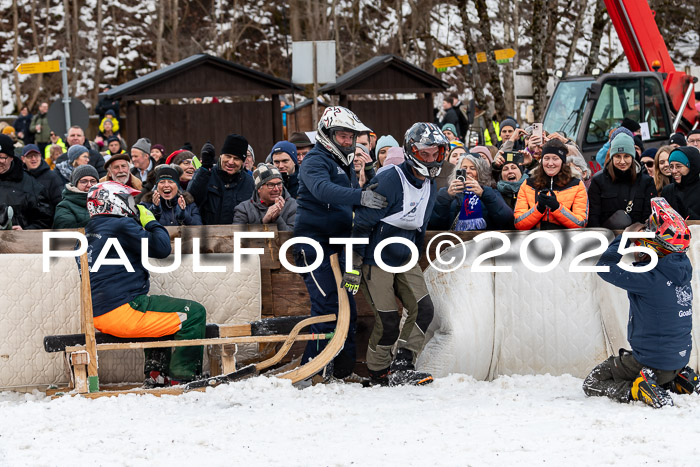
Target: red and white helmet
339,119
672,232
112,198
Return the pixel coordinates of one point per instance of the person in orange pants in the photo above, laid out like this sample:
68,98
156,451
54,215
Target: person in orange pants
120,300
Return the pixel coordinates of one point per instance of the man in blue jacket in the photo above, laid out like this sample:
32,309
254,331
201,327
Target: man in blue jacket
120,301
411,197
217,189
660,320
328,190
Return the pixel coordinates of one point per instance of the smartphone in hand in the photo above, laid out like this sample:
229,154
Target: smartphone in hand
537,131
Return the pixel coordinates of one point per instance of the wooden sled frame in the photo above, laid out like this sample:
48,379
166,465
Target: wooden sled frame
83,358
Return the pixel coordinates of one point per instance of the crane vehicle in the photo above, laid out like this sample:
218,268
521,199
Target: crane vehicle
653,93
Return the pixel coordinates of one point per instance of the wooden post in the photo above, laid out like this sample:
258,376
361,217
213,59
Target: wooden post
86,322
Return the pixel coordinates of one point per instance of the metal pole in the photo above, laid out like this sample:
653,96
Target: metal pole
66,97
691,86
315,104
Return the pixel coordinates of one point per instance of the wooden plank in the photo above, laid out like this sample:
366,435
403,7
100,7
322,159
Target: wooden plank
267,299
86,323
290,295
191,342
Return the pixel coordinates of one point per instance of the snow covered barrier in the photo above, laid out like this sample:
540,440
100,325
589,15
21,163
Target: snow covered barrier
36,304
514,320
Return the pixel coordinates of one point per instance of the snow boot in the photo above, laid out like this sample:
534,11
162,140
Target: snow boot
156,379
685,382
646,389
402,371
378,378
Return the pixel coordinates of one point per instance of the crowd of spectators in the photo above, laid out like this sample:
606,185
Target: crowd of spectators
522,181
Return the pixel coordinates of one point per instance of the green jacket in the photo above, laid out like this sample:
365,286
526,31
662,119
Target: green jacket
43,135
71,212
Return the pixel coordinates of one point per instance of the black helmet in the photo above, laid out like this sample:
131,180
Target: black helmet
421,136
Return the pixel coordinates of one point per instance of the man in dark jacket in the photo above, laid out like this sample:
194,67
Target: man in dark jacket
284,156
328,191
38,168
76,136
218,189
660,323
450,115
22,126
411,197
21,191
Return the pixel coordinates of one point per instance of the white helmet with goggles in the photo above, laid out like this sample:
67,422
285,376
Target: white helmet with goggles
334,120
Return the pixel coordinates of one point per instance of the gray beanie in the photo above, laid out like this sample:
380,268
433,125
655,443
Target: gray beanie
75,151
83,171
264,173
144,144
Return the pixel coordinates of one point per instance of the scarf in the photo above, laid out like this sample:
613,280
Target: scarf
510,188
65,168
471,214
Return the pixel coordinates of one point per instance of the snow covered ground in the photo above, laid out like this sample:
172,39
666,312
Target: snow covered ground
265,421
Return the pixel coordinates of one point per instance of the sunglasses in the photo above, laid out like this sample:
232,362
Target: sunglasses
649,164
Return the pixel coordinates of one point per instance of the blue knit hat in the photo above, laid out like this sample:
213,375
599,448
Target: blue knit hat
386,141
679,156
75,151
285,146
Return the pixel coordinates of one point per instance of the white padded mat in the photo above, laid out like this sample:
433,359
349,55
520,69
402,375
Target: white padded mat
36,304
523,322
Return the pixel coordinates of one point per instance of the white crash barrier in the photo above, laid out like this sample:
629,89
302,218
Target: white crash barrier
524,322
35,304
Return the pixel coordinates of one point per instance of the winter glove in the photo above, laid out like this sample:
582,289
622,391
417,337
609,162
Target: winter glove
351,281
540,198
371,199
145,216
551,202
208,155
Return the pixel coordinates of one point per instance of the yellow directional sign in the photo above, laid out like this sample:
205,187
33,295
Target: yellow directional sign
501,55
39,67
445,62
504,54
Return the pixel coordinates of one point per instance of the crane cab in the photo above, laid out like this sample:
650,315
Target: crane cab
585,108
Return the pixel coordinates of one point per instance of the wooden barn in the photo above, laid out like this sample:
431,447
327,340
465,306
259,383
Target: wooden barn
388,94
255,111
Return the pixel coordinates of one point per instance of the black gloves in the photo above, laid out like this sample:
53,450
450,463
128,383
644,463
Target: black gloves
208,155
373,200
547,199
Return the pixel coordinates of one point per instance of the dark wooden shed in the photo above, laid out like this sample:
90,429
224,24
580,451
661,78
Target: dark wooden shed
372,91
300,118
255,112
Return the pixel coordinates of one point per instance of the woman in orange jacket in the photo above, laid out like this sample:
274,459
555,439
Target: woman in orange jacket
552,198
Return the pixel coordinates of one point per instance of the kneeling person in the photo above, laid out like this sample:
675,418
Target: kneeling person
660,323
120,300
411,197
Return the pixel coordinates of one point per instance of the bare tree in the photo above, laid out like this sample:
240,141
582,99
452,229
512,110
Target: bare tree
494,76
159,37
15,53
599,23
